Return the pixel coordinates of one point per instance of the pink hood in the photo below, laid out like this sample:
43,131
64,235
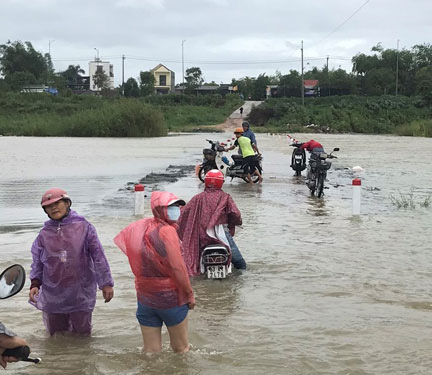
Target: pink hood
159,202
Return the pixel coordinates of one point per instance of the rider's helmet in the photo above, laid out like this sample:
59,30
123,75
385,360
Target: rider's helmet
54,195
214,178
238,131
245,124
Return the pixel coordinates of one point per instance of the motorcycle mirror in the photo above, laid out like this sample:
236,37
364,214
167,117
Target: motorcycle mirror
336,149
12,280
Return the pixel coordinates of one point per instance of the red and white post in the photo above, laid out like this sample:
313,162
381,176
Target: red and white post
356,184
139,199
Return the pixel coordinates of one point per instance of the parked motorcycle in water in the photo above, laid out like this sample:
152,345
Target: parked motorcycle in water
12,280
298,159
214,159
317,171
215,262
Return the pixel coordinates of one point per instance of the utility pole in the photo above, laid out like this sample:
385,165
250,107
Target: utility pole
97,54
123,60
397,66
183,65
328,78
302,82
49,46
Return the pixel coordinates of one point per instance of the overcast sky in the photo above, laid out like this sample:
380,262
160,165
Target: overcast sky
225,38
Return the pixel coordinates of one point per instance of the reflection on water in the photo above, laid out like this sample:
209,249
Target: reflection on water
324,293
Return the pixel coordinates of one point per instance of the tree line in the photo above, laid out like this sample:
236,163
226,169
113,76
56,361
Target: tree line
384,71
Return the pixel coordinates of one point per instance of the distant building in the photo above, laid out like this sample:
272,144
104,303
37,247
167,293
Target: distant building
101,66
311,87
164,79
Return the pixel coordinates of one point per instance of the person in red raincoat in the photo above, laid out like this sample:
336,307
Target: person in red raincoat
210,217
164,292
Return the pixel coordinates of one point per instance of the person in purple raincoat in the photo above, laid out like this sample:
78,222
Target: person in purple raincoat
68,264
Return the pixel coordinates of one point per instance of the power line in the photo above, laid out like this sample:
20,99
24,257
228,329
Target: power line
344,22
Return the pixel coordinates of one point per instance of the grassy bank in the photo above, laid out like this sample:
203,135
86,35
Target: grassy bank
377,115
90,116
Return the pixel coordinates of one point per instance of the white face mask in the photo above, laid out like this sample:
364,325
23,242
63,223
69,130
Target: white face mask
173,213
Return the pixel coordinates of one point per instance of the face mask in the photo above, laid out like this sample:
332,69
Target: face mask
173,213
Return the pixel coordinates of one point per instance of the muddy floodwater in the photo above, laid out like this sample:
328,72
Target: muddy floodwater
324,293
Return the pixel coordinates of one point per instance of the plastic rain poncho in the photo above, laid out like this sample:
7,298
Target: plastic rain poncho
154,251
70,262
205,211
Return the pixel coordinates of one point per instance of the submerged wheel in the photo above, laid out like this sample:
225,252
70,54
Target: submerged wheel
320,186
298,173
202,172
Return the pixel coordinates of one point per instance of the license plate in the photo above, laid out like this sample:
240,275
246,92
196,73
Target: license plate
298,157
216,272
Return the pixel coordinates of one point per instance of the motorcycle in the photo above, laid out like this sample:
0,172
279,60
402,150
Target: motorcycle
215,262
236,169
298,159
214,159
12,280
317,171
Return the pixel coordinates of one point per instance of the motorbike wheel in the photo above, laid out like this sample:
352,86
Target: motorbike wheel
298,173
202,172
320,186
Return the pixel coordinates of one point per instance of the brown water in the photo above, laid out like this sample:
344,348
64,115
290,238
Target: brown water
324,293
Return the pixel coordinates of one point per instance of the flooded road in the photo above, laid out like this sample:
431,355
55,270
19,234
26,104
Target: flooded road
324,293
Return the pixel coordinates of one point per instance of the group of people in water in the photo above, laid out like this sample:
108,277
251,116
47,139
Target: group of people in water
69,263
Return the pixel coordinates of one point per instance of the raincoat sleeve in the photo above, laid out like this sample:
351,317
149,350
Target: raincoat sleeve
37,265
175,260
234,216
103,272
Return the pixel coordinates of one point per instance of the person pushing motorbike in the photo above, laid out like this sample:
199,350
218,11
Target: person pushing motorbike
315,148
248,150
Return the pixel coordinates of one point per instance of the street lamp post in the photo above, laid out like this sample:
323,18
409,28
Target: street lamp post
97,54
183,64
302,82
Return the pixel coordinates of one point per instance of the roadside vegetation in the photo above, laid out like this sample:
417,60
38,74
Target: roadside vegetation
339,114
367,100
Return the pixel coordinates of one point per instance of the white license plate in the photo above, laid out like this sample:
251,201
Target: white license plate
216,272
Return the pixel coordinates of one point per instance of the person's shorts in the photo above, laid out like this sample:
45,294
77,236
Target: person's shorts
249,164
150,317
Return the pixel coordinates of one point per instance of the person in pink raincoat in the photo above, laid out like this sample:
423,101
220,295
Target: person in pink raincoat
163,288
68,264
209,217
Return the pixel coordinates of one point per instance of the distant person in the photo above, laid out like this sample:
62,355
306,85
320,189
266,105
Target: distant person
69,263
241,111
247,149
209,218
163,289
315,148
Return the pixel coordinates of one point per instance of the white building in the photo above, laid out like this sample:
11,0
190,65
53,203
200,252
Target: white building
104,66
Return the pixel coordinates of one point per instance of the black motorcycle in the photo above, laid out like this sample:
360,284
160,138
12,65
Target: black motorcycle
12,280
317,171
298,159
236,169
211,158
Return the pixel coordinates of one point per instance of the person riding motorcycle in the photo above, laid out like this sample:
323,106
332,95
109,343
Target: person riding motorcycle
248,150
209,217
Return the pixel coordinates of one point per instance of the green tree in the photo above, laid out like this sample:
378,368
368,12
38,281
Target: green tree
22,59
193,79
101,80
131,89
147,83
72,73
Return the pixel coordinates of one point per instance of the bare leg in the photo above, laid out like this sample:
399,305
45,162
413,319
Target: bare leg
152,337
259,175
249,178
179,336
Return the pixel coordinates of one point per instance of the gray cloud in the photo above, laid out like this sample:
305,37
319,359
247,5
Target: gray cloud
215,31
